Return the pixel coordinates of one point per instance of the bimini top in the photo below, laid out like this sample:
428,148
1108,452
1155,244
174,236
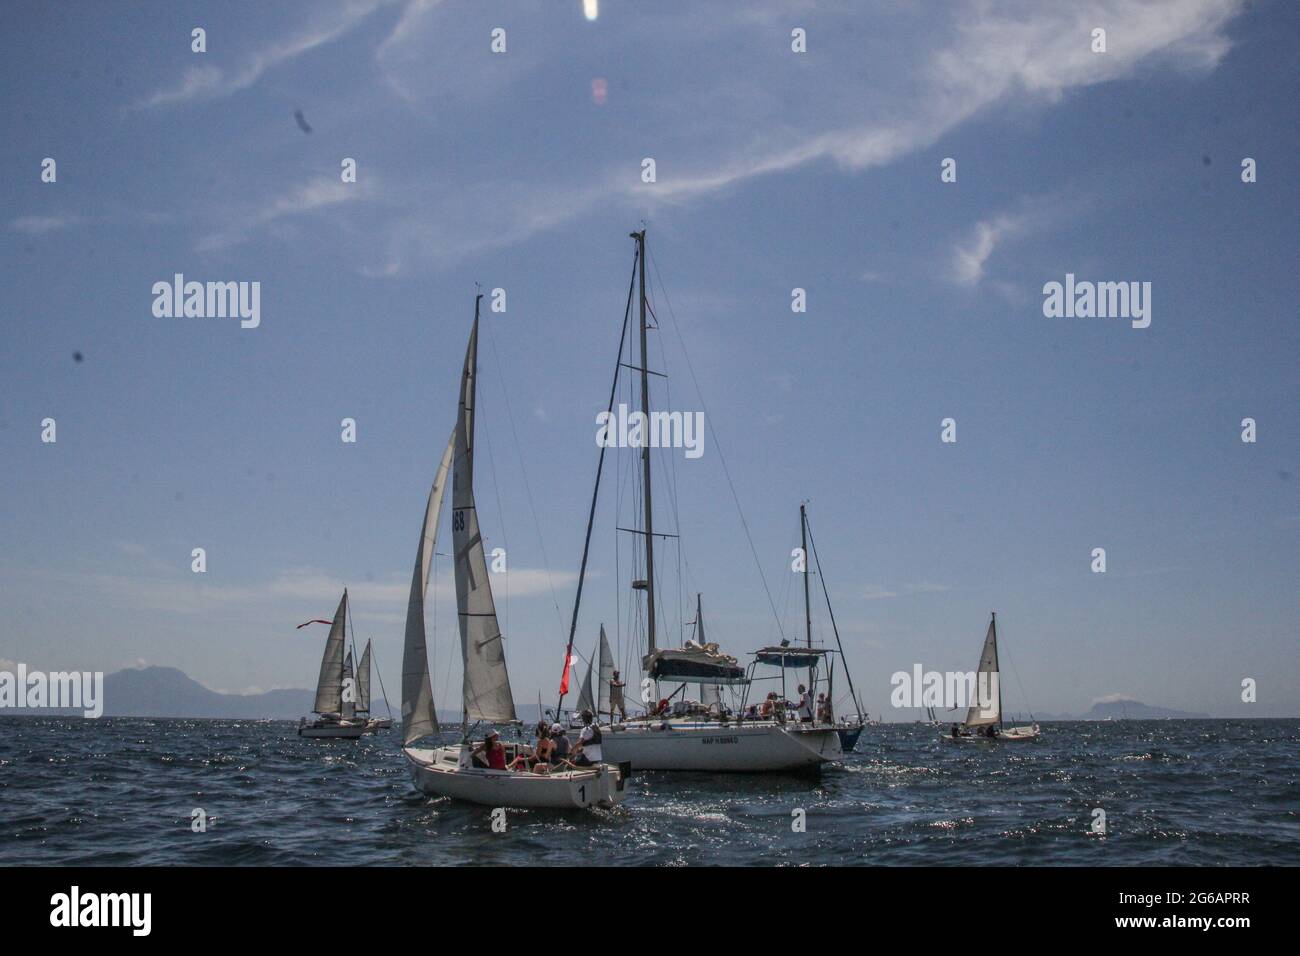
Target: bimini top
694,662
791,656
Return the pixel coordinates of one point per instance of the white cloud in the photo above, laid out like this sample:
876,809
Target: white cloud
40,225
970,255
208,81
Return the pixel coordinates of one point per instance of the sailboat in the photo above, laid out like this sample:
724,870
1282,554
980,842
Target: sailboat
451,771
373,724
849,727
677,736
335,705
596,700
984,718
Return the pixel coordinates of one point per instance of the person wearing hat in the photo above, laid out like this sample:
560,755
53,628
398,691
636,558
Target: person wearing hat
491,751
587,752
563,745
540,760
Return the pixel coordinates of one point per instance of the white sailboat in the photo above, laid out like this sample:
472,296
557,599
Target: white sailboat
451,771
984,718
373,724
595,697
335,710
700,738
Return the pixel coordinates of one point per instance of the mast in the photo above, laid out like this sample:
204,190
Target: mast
993,623
807,603
645,455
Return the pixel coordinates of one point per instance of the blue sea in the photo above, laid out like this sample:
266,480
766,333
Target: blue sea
124,791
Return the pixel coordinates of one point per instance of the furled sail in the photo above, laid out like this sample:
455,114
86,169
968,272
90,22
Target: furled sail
606,673
363,681
986,708
329,686
486,687
349,695
419,717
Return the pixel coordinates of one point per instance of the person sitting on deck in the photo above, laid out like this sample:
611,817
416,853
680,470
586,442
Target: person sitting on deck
769,705
824,710
563,745
490,753
541,755
587,752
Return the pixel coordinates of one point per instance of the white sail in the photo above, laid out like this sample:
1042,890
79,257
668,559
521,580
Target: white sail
486,687
986,708
710,694
606,674
584,696
349,695
329,686
363,681
419,717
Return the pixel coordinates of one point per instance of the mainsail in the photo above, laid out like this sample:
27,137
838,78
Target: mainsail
419,718
349,695
329,686
986,708
363,681
486,688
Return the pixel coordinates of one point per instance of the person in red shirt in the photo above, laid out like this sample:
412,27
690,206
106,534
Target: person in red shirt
492,750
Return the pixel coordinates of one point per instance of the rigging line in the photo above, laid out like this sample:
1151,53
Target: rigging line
375,665
718,445
501,514
1018,683
541,540
600,466
829,610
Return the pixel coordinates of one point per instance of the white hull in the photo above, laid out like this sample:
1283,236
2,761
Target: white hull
438,772
733,748
346,731
1010,735
378,723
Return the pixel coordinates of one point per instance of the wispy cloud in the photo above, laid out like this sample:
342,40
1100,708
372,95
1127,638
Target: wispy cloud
316,194
878,592
39,225
207,81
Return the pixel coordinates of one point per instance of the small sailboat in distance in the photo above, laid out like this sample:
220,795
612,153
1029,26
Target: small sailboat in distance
335,710
984,718
454,771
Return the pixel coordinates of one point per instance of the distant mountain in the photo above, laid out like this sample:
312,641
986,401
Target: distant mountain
168,692
1124,709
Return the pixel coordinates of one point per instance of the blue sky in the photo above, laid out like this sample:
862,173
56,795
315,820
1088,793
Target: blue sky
775,170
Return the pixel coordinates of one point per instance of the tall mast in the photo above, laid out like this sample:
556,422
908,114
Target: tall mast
993,622
807,604
645,457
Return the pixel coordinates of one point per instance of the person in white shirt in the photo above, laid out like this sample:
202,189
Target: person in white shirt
586,753
805,705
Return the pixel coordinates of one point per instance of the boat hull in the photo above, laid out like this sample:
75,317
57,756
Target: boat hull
734,748
438,772
1011,735
349,732
848,737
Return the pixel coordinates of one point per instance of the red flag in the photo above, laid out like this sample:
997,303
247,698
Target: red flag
316,621
564,681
